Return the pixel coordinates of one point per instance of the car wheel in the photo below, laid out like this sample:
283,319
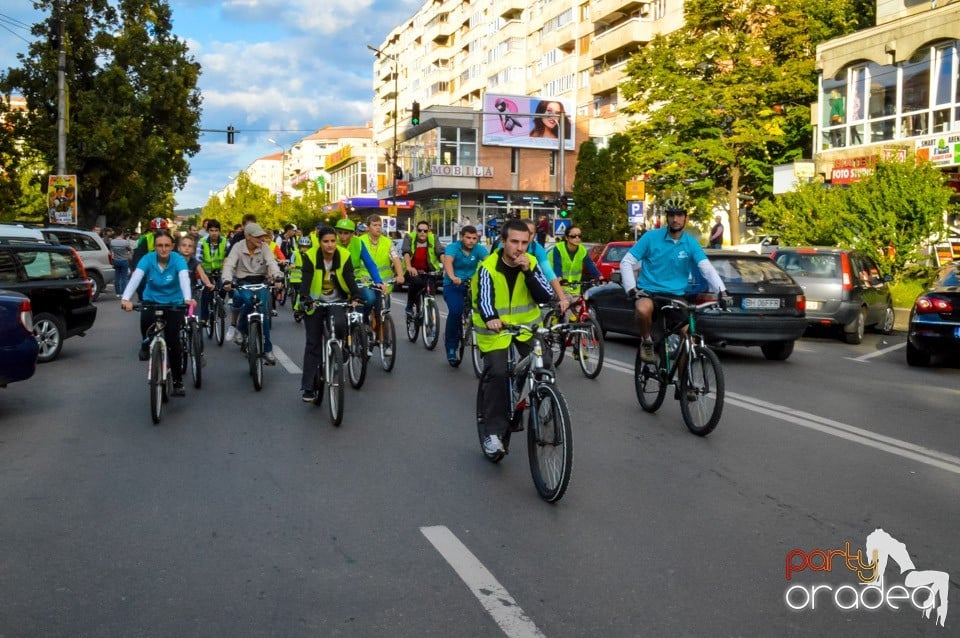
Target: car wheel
96,285
889,318
777,350
917,357
49,332
853,331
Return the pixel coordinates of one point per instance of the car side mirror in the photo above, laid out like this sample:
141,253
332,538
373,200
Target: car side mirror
615,277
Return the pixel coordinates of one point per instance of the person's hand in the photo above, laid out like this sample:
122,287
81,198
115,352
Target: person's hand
726,301
495,324
400,280
456,281
564,304
382,287
210,285
228,286
192,303
523,261
127,305
413,272
632,294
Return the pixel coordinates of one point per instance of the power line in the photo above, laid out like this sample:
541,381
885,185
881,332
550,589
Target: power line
15,22
6,28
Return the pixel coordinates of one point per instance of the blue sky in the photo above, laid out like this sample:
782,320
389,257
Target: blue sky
276,69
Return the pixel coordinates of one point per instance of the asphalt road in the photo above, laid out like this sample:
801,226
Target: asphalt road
247,514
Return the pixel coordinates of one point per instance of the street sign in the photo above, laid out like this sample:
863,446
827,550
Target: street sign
560,227
389,224
392,211
634,213
635,190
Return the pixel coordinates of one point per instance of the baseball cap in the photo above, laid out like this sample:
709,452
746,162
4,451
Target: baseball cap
253,229
345,224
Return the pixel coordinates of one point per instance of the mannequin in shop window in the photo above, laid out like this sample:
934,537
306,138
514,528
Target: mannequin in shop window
837,112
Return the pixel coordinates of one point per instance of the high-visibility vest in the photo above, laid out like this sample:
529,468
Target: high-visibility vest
316,285
212,261
380,256
516,308
570,269
296,267
431,250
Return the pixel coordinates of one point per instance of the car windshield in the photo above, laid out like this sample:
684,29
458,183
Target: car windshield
822,265
616,253
748,271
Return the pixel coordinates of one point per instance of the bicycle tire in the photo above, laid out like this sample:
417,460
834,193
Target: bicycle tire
335,383
431,323
590,349
221,322
184,337
496,457
702,392
254,353
357,361
649,383
413,324
555,342
318,386
549,442
282,296
156,382
211,315
388,340
196,356
476,356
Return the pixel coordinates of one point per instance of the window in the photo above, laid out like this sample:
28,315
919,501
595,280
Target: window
515,160
553,162
458,146
8,267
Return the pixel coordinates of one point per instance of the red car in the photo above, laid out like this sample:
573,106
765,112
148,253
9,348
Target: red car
607,256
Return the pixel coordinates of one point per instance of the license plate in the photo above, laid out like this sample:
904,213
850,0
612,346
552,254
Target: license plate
813,305
760,303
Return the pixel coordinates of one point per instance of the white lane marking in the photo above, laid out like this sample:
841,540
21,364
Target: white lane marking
898,447
879,353
491,594
286,361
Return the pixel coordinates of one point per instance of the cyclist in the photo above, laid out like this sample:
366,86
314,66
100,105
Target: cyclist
145,243
664,257
167,281
288,241
538,251
213,251
507,287
386,258
460,261
187,248
421,253
569,258
327,276
251,261
296,272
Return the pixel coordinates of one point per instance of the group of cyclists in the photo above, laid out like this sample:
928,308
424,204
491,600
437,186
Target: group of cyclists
499,286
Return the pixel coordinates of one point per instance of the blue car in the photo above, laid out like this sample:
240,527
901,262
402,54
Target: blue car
935,319
18,345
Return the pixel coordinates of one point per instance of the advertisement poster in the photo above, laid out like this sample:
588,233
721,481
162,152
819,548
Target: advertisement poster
527,122
62,199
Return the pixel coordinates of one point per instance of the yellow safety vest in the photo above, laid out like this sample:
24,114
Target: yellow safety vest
570,269
316,285
518,308
380,256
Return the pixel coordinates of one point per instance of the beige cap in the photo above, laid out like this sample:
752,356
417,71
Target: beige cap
253,229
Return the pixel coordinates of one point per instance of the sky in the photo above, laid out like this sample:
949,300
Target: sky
278,69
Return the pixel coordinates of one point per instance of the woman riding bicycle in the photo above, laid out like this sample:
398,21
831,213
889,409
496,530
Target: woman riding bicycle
167,280
327,276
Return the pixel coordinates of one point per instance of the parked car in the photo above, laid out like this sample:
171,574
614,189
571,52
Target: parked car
607,256
844,288
768,306
97,258
764,245
59,291
18,347
10,233
935,319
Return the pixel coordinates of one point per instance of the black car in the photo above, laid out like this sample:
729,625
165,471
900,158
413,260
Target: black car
53,278
935,319
768,306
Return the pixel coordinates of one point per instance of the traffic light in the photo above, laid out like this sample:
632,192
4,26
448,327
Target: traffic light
416,114
562,202
230,132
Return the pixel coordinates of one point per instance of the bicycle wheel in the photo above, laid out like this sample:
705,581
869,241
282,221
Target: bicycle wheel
431,324
282,295
335,383
211,318
555,342
357,363
649,382
549,442
589,346
318,385
255,352
388,343
701,392
461,343
196,355
220,322
156,382
496,457
184,350
413,324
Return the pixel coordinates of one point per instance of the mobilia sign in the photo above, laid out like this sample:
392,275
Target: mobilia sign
847,171
447,170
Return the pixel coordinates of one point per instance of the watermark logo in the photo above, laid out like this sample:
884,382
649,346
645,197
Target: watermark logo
924,590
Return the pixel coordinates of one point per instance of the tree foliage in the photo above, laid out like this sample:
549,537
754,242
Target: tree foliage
134,107
599,189
726,97
900,206
249,198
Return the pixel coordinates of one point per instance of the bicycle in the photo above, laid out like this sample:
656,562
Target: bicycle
586,342
253,342
280,295
356,348
549,431
467,338
330,370
191,347
685,362
386,340
159,374
425,317
216,311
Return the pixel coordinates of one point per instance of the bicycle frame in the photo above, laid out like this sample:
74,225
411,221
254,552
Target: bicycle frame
155,333
687,330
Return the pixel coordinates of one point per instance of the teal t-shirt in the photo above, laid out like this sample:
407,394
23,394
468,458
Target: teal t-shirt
464,266
163,286
665,263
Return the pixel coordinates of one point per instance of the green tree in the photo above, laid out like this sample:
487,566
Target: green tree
247,198
599,188
134,106
725,98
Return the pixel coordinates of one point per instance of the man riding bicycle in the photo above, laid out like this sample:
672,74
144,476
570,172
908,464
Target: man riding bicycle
251,261
664,258
213,252
507,287
460,262
421,254
387,259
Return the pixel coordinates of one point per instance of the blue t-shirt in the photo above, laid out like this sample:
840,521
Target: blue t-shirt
666,264
163,286
464,266
538,251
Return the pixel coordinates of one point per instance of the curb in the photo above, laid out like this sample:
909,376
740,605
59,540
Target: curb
901,320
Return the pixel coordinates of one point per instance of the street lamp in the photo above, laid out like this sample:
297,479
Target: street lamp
396,115
283,158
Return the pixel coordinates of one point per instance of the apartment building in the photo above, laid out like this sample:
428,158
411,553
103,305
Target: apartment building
456,58
891,91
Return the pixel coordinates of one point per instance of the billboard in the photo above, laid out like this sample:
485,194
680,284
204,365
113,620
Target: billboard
62,199
527,122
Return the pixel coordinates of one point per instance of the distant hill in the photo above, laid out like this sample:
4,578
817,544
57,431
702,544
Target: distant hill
184,213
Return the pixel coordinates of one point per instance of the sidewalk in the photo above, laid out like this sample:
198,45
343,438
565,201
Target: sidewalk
902,319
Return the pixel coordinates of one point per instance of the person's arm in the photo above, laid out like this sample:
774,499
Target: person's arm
184,277
369,264
537,284
591,268
306,274
203,277
132,285
711,275
448,269
629,267
351,280
485,297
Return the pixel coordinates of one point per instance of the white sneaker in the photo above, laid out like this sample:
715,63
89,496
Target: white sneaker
270,358
492,444
231,333
238,338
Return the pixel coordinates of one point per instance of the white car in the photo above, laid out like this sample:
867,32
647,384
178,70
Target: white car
764,245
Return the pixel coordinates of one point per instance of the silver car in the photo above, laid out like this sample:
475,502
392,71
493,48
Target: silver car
94,253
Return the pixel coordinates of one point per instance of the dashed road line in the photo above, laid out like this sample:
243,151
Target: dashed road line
879,353
286,361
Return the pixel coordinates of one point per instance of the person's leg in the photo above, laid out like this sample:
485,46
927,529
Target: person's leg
265,295
369,298
494,393
453,296
243,304
313,349
413,292
171,332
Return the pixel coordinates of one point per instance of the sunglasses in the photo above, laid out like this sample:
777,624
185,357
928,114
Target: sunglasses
421,230
574,236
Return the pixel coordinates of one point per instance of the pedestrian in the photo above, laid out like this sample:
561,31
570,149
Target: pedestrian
120,247
543,227
716,234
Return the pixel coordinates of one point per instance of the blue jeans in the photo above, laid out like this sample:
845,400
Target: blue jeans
244,300
456,297
369,297
120,278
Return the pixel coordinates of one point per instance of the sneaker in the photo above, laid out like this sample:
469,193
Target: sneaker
273,313
309,396
492,444
231,333
452,355
178,389
238,336
144,353
388,351
647,354
270,358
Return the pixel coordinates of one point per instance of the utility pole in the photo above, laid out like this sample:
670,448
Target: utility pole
61,94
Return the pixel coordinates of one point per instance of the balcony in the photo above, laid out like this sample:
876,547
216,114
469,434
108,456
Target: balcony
563,38
607,80
512,29
611,10
511,8
629,35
